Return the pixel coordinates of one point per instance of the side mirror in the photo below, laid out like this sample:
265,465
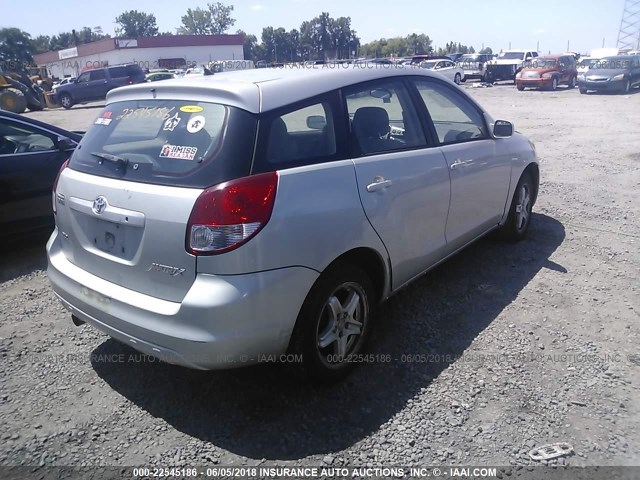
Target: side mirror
65,143
502,129
316,122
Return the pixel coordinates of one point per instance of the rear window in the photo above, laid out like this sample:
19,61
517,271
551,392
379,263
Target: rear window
168,142
125,71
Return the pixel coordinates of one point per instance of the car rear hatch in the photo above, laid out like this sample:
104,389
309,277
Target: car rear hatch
124,203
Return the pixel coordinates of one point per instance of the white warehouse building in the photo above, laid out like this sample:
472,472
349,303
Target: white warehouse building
164,51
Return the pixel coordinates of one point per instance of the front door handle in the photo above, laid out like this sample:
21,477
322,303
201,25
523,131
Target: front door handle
460,163
379,183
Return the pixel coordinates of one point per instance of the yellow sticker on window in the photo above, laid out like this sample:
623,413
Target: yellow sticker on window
191,109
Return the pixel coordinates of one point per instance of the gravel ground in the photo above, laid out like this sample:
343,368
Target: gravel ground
501,349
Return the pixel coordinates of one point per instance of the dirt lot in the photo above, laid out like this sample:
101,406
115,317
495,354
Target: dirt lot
510,346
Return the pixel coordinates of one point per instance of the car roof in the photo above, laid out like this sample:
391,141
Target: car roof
262,90
109,66
551,57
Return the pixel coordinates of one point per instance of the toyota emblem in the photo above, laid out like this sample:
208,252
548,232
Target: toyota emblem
99,205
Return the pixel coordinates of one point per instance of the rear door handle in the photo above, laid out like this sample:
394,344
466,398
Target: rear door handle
460,163
379,183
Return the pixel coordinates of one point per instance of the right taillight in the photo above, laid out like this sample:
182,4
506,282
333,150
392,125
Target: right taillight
227,215
55,186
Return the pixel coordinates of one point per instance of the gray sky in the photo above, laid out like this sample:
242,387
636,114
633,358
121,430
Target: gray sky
494,23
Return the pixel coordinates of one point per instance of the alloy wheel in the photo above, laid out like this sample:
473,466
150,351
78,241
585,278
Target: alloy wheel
523,207
342,323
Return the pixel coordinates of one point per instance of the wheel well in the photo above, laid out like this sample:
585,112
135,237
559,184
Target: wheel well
369,261
533,170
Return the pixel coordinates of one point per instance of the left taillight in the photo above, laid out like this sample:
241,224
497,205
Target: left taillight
55,186
226,216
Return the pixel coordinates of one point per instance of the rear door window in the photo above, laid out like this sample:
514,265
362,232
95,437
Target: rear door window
97,75
382,118
168,142
304,134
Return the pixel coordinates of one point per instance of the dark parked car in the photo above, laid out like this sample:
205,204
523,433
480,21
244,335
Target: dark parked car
94,84
31,154
548,72
618,74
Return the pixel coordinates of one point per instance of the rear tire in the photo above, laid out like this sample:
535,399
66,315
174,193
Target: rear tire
66,101
334,323
583,91
572,83
520,88
12,100
519,219
457,79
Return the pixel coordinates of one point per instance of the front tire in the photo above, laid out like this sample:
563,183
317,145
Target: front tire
554,84
457,79
520,87
519,219
66,101
334,323
583,91
627,86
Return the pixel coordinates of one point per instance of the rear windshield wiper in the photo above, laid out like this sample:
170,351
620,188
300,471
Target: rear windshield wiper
111,158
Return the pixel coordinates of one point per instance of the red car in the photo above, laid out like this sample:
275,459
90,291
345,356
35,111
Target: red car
548,72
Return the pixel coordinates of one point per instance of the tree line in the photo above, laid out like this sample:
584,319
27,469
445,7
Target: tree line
320,38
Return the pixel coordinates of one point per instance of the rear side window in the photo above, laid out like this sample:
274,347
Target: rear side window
118,72
125,71
168,142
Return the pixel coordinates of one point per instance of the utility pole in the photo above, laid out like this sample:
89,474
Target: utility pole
629,34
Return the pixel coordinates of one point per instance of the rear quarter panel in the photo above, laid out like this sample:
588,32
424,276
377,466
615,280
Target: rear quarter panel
317,216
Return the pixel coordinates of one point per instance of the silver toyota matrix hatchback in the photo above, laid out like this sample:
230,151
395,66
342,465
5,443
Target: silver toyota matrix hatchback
216,221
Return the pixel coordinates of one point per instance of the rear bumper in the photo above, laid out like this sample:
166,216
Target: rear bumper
223,321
